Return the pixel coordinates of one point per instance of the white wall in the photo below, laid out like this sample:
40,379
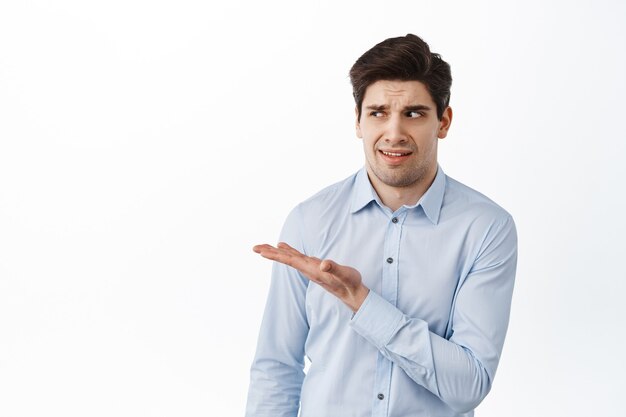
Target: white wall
146,146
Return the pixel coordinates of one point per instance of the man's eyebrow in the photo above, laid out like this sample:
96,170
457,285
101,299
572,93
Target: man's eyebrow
377,107
415,107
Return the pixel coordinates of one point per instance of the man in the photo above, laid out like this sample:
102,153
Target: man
409,317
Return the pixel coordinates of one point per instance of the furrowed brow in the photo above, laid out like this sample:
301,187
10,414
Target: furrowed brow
417,107
378,107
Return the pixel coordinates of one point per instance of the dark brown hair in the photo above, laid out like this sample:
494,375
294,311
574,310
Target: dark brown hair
406,58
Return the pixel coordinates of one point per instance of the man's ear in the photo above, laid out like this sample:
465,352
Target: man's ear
445,122
358,123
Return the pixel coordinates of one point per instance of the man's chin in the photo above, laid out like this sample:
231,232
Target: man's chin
399,180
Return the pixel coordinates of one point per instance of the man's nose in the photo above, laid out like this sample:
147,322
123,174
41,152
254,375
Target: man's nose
396,132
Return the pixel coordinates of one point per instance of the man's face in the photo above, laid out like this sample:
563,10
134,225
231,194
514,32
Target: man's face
400,129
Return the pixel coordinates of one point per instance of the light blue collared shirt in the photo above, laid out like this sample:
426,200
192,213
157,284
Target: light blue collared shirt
427,339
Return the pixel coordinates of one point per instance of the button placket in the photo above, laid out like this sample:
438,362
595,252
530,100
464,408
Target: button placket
389,291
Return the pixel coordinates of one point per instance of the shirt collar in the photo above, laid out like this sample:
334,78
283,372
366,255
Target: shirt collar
363,193
431,202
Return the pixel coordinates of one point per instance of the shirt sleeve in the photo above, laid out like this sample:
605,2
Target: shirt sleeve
277,370
460,367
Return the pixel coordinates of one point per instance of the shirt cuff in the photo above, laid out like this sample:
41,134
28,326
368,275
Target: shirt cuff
377,320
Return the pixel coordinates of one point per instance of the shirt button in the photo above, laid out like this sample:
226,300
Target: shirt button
380,396
389,260
394,220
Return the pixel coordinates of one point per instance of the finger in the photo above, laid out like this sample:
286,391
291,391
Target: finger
296,255
327,266
260,248
274,254
286,247
331,273
268,251
292,258
285,254
340,272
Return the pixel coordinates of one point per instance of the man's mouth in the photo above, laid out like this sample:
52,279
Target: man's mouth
395,154
395,157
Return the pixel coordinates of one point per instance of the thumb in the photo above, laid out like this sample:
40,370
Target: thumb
328,266
332,267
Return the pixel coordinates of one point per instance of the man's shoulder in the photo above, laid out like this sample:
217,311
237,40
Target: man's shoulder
462,198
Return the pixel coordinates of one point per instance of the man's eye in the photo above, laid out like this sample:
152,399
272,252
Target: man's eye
414,114
377,114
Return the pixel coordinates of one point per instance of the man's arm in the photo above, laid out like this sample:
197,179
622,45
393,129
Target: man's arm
277,372
459,368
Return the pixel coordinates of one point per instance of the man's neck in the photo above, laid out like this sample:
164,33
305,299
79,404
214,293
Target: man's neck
396,197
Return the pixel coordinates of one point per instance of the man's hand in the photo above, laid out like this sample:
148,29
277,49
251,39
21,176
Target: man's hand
342,281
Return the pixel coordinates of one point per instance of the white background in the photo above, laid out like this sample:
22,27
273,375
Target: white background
146,146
